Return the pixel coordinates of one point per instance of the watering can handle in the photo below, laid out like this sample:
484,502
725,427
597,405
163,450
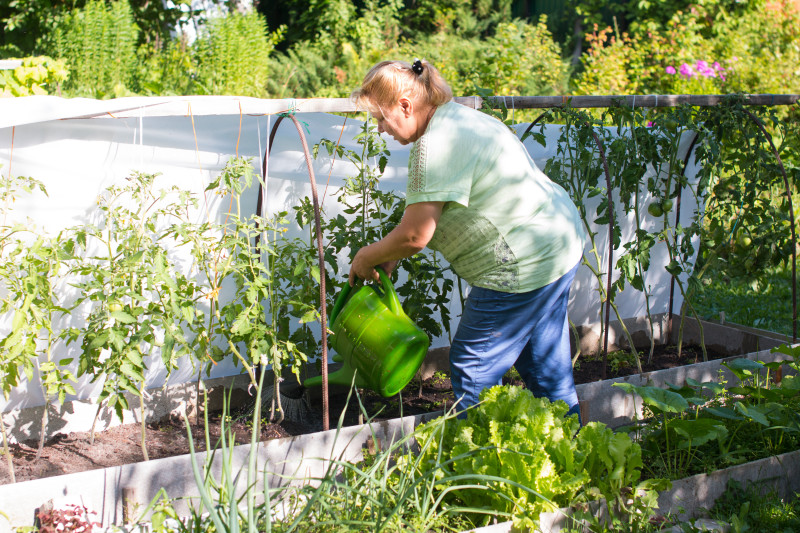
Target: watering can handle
340,301
389,298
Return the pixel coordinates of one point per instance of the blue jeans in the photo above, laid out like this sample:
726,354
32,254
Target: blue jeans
529,331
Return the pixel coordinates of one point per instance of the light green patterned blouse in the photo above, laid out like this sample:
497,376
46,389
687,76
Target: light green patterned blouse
505,225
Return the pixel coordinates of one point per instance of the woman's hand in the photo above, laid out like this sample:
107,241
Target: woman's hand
362,267
409,237
389,266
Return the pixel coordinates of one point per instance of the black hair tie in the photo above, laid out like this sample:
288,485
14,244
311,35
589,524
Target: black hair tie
416,66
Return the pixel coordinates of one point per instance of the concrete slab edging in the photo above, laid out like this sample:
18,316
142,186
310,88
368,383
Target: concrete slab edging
602,402
106,491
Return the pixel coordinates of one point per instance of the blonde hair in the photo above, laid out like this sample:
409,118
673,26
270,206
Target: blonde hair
388,81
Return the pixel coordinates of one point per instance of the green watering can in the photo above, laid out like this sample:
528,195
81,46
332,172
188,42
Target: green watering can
374,339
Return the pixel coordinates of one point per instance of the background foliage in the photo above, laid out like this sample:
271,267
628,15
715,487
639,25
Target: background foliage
308,48
97,35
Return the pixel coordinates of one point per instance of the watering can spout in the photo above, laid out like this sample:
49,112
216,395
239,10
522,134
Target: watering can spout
376,341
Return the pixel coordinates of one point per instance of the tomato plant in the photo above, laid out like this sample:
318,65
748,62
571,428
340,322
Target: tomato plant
127,286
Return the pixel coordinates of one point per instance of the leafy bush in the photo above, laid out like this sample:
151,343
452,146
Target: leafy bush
519,59
23,26
522,59
164,68
333,62
36,75
700,50
465,18
765,44
98,43
306,71
231,55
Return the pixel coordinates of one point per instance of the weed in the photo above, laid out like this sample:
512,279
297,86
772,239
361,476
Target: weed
73,519
750,508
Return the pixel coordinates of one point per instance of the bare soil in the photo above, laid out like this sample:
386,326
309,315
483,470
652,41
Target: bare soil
76,452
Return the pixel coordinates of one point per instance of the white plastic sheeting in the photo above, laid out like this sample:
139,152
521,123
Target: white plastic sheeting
80,147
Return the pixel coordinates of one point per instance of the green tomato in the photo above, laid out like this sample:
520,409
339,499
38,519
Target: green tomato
655,210
114,307
671,125
744,240
666,205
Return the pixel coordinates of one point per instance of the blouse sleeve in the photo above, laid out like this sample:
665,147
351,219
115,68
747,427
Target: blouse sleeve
439,168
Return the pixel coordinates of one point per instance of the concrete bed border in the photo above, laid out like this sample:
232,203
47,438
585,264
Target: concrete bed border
110,492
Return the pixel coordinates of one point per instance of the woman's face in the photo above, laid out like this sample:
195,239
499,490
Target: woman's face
399,121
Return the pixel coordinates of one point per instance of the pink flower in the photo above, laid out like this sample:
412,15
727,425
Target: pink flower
705,70
719,69
686,70
670,70
650,122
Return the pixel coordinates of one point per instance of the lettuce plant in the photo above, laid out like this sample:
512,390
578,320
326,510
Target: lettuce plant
546,459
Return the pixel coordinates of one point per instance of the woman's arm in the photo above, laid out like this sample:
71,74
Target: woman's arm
409,237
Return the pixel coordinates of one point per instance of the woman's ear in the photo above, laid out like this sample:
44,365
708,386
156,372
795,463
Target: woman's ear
406,106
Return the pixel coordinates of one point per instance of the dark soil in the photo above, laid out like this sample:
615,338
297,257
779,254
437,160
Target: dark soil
76,452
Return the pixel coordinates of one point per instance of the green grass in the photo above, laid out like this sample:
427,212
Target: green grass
764,302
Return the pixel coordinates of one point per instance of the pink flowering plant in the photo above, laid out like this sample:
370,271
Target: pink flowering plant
700,76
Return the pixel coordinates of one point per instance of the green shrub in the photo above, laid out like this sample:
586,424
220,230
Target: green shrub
698,51
522,59
455,57
308,70
164,69
98,42
633,64
36,75
24,24
519,59
464,18
231,55
334,62
766,45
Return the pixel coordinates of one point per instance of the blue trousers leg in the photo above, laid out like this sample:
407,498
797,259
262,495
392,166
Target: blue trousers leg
529,331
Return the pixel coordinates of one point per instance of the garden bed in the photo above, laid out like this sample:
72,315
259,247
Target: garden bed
119,445
102,489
